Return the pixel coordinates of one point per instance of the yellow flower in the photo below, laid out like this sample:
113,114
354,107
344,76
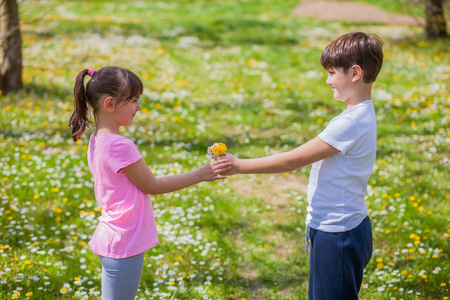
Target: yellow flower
217,149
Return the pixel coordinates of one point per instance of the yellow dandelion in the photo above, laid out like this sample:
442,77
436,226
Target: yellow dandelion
217,149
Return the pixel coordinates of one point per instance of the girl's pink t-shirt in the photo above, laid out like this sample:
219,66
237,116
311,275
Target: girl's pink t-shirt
127,225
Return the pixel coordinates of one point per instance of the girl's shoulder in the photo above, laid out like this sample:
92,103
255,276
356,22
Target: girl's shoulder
112,141
110,137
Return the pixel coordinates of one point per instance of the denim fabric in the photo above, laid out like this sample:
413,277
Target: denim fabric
337,261
121,277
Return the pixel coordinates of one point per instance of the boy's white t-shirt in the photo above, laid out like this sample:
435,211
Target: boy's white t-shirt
338,184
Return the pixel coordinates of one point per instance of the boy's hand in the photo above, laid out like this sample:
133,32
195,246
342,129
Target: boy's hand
233,160
215,170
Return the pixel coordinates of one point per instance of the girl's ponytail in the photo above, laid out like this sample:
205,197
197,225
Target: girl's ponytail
79,119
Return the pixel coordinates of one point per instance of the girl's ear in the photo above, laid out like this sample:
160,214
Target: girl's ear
357,73
108,104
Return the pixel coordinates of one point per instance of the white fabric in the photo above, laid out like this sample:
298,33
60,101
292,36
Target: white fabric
338,184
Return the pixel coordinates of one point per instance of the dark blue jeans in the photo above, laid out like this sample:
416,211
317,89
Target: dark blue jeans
337,261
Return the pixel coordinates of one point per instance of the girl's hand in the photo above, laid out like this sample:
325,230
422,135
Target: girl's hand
215,170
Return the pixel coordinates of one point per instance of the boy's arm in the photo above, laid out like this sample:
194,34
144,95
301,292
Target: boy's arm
306,154
141,175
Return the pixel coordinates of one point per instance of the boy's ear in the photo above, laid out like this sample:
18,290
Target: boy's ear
357,73
108,104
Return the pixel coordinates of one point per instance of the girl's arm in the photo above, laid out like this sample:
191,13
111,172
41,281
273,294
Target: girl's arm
141,175
308,153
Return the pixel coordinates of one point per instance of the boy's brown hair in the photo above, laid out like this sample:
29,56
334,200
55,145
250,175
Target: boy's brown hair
355,48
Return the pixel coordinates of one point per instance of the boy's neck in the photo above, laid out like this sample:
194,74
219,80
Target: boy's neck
362,93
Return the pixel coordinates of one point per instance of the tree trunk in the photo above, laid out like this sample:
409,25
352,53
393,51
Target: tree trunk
435,21
11,47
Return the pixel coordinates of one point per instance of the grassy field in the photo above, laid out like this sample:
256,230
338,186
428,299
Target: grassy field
246,73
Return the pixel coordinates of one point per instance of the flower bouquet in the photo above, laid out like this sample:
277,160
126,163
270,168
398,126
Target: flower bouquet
217,149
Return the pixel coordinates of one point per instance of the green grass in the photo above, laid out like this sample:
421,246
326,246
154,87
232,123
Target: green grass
246,73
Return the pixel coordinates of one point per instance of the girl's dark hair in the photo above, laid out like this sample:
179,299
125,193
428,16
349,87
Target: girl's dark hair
355,48
119,83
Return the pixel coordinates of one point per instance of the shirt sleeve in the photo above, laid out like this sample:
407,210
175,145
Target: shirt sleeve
123,153
341,133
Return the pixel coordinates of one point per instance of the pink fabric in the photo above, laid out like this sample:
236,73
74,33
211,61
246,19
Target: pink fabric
91,72
127,225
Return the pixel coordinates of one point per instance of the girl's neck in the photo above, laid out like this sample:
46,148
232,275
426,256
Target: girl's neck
104,128
102,131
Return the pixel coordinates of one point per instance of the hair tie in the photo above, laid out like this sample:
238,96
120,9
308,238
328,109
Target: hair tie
91,72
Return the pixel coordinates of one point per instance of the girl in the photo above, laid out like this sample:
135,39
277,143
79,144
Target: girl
123,181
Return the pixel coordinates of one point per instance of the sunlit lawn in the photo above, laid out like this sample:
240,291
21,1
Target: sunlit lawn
246,73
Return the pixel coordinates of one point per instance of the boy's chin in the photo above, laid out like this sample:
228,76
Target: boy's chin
339,99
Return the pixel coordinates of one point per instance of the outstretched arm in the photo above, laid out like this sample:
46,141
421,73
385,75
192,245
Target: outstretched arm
306,154
141,175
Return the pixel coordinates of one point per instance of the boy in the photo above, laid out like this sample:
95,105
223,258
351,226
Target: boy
343,156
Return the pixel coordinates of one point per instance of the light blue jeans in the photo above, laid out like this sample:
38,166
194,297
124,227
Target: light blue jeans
121,277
